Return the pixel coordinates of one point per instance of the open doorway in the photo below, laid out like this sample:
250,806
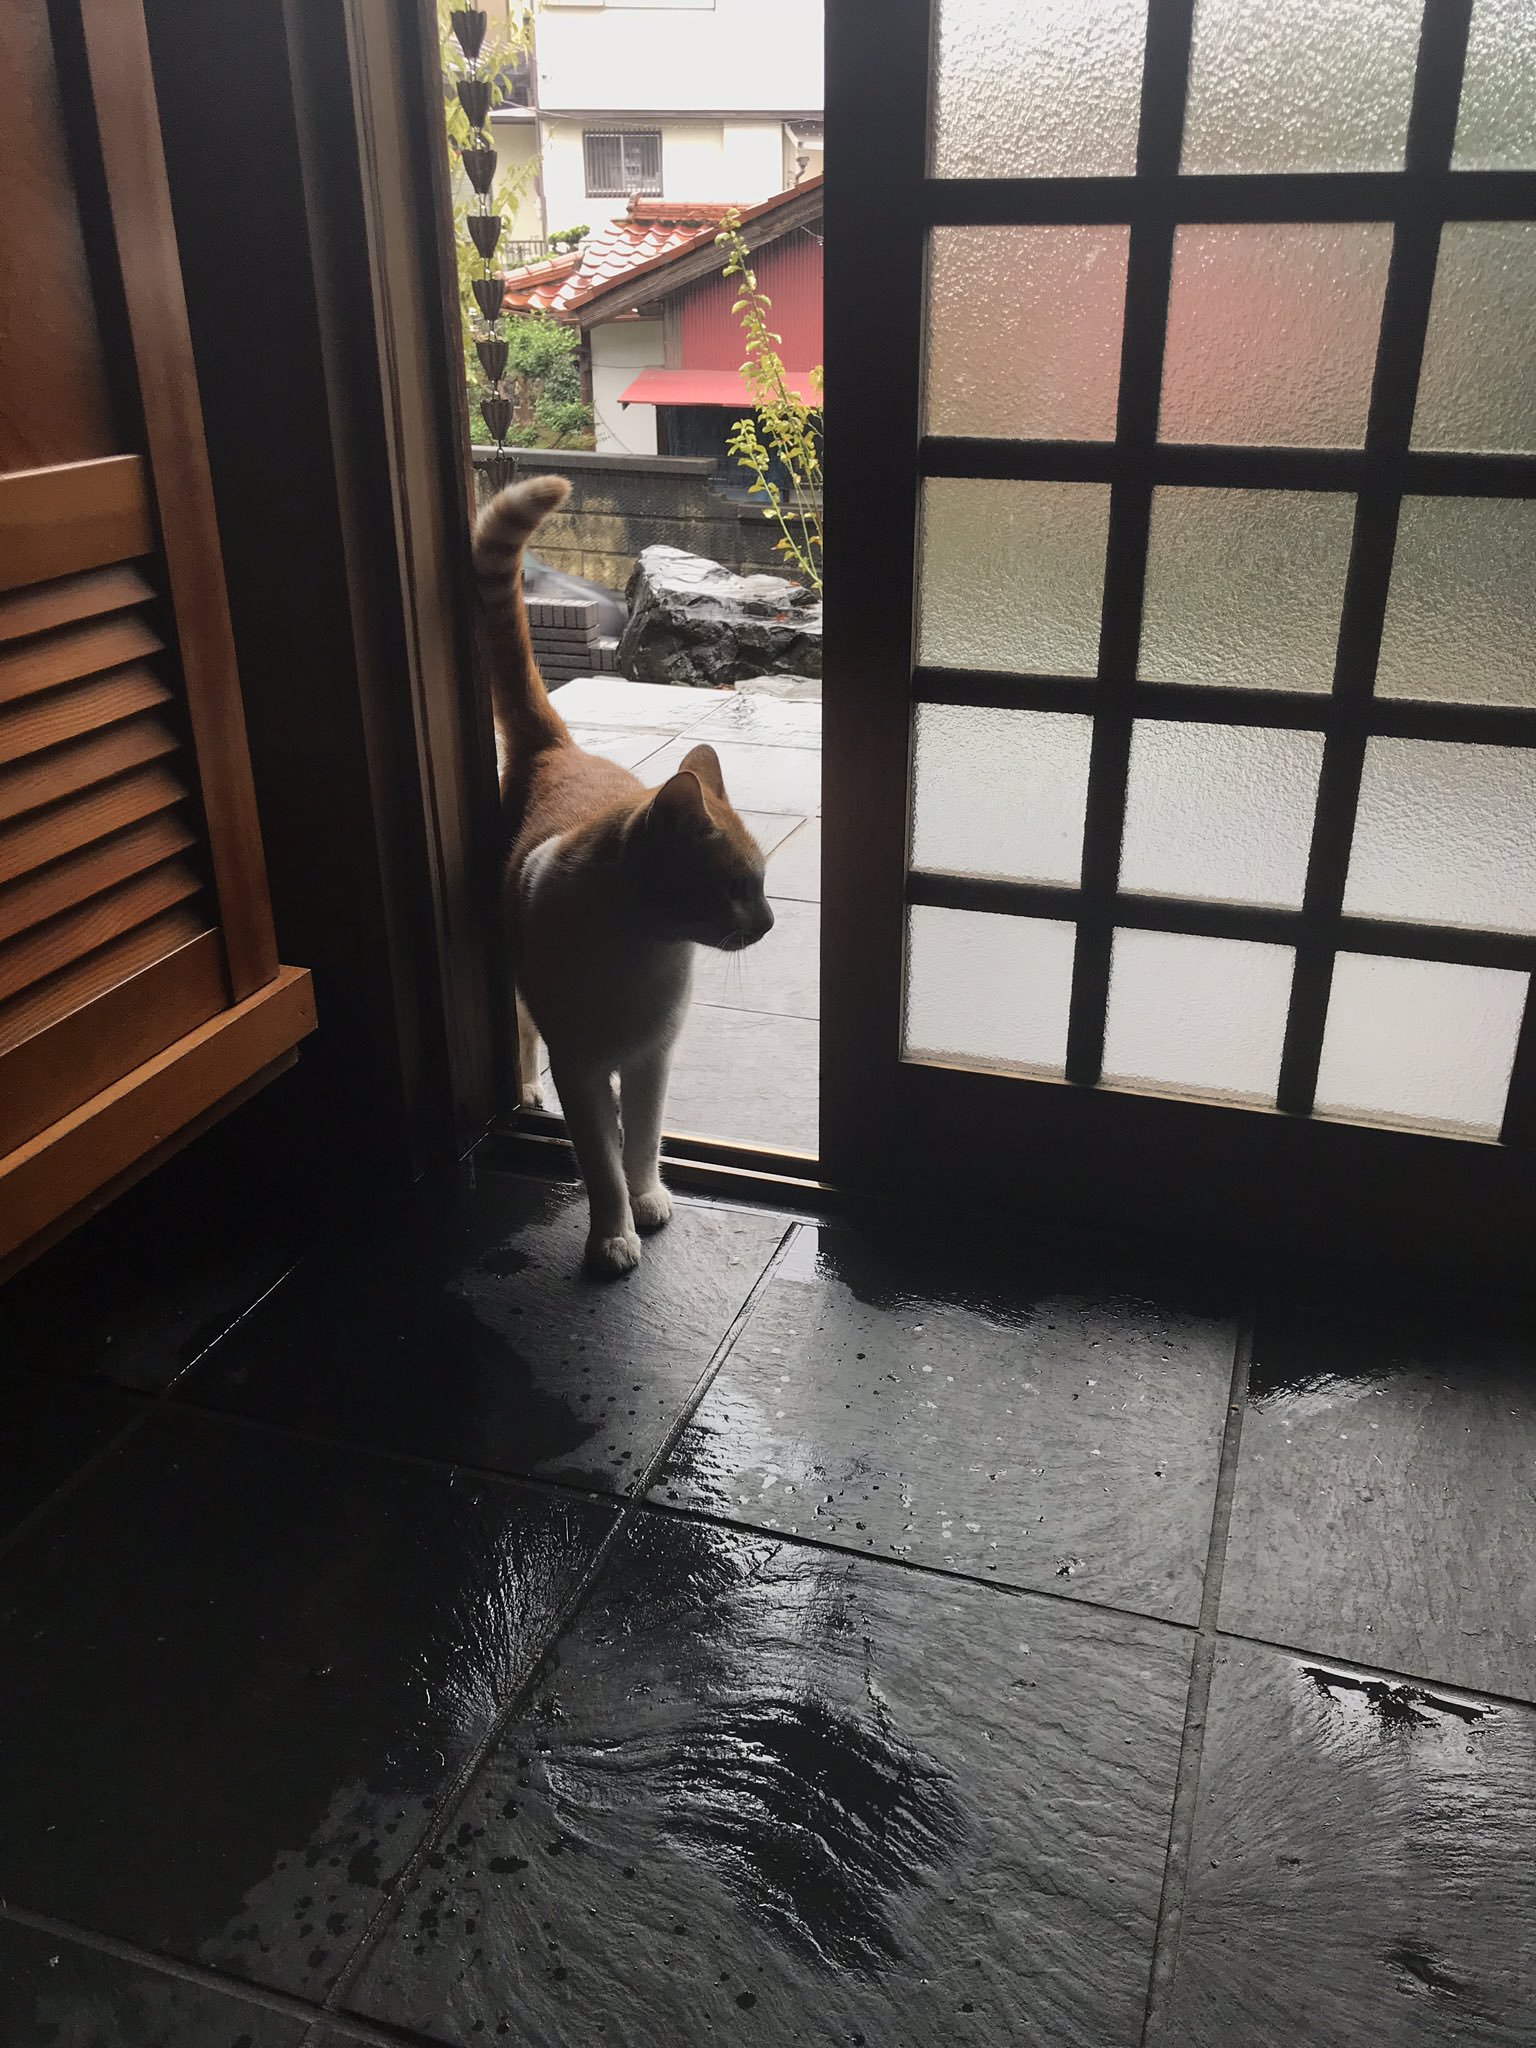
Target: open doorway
641,280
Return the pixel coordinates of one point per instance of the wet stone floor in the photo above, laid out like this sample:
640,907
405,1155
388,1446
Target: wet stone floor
827,1635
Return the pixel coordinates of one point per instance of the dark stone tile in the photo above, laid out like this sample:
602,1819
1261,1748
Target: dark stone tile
471,1335
784,1796
1361,1868
1384,1506
48,1428
145,1287
59,1994
1006,1423
781,974
237,1671
746,1075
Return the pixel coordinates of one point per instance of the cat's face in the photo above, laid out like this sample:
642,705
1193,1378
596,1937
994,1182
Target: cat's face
701,870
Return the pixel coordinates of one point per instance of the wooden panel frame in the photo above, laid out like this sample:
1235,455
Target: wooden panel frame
1280,1179
395,77
58,1170
115,52
74,516
344,321
129,1015
131,1022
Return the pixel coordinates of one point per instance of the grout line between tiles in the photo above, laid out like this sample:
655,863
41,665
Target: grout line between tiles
461,1780
721,1353
563,1489
150,1399
74,1480
950,1575
1181,1826
1348,1662
264,1997
750,1010
571,1490
245,1314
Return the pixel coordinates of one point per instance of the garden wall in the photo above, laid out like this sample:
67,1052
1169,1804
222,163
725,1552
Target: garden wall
620,504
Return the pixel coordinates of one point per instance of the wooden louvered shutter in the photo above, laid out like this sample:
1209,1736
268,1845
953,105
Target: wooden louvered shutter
140,989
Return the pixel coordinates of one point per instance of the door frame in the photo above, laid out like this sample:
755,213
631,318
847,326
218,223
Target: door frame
330,367
1279,1179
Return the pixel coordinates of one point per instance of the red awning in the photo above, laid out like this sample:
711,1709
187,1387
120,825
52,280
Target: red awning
705,387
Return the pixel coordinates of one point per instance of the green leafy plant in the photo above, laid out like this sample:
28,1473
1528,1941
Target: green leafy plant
568,238
567,419
783,432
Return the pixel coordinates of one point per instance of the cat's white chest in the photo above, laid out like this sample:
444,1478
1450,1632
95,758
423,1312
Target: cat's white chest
592,982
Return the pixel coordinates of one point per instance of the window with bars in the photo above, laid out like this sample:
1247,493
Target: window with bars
1224,755
620,161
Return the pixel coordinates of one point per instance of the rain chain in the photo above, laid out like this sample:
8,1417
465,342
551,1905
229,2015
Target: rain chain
479,161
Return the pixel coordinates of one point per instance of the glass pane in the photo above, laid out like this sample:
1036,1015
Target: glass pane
1477,389
1012,575
1461,614
1000,792
1420,1041
1045,90
987,991
1445,834
1272,333
1300,85
1199,1016
1221,812
1024,331
1245,587
1497,127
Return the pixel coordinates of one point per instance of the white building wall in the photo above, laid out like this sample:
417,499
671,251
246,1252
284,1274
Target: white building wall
680,56
753,161
517,145
620,350
735,163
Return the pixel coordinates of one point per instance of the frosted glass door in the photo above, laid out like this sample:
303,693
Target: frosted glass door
1223,740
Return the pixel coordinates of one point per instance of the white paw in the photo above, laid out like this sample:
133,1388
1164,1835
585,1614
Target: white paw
608,1257
652,1207
531,1097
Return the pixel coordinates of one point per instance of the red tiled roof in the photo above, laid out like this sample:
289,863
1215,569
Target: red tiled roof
534,287
649,232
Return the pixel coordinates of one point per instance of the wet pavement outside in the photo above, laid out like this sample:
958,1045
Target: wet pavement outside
827,1635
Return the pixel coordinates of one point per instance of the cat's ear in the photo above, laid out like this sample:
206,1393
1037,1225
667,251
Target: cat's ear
680,801
705,763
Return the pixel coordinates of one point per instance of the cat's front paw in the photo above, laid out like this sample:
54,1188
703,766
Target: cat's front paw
608,1257
652,1207
531,1097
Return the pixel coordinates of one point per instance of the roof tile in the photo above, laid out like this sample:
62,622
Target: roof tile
649,229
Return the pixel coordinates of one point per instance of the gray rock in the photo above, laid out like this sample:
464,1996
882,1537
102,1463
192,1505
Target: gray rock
694,621
786,689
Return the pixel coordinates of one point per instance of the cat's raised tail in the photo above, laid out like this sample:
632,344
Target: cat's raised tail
526,721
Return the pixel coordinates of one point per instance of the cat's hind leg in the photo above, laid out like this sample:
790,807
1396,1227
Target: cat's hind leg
530,1095
592,1118
642,1097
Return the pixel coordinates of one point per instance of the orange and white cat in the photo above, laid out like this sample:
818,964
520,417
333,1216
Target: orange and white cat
608,887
